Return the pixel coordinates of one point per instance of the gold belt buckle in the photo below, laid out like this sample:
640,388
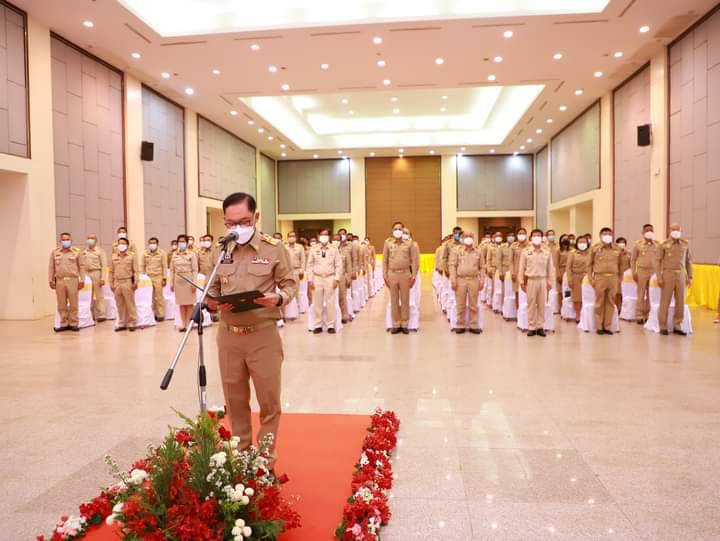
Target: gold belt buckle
242,330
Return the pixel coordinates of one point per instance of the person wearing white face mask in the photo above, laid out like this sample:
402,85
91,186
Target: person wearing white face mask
206,255
154,263
184,268
65,273
124,276
122,233
248,343
674,275
324,272
94,261
605,277
537,276
643,263
399,272
578,264
349,261
492,261
517,248
466,266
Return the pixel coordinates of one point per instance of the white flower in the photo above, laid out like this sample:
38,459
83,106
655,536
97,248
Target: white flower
237,531
249,492
364,461
247,531
118,507
218,459
245,500
110,519
138,476
240,523
240,488
234,442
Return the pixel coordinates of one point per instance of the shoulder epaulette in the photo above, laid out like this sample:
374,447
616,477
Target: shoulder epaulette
269,239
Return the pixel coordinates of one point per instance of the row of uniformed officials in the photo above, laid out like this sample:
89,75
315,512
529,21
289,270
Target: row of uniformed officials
536,264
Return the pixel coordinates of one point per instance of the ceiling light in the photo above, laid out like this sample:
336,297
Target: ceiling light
549,121
508,34
498,59
324,66
462,149
377,40
189,91
372,154
432,152
444,97
529,140
282,145
522,147
88,24
598,74
393,98
401,150
344,101
579,92
272,69
439,61
558,56
285,87
644,29
492,151
283,154
387,82
396,110
165,75
315,156
261,130
255,47
443,109
381,63
136,56
251,122
233,113
270,138
491,77
340,151
618,54
563,108
539,130
216,71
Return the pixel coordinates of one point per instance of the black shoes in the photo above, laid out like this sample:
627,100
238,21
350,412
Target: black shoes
476,331
158,319
664,332
131,329
680,332
641,322
118,329
459,331
395,330
101,319
61,329
331,330
344,321
532,333
405,330
541,332
74,328
317,330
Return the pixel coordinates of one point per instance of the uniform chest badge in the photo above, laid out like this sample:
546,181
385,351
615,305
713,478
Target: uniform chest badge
260,261
227,259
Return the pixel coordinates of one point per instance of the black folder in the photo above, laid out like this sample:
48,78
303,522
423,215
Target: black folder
242,302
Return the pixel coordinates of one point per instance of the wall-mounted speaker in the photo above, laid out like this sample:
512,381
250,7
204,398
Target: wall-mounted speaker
643,135
147,151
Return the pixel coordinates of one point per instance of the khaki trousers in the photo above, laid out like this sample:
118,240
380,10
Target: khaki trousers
643,293
66,292
466,293
158,299
259,356
98,298
369,278
491,284
606,288
673,282
125,300
537,299
324,295
399,283
342,293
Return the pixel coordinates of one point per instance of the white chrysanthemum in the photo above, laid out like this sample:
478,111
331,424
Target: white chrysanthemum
249,492
240,523
138,476
247,531
218,460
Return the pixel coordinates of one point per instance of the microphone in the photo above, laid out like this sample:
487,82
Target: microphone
228,238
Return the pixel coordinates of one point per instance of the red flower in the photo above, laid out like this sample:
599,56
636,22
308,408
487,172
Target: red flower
224,433
183,437
282,479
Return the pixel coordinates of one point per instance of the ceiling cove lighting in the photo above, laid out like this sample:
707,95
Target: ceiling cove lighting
136,56
324,66
381,63
644,29
598,74
387,82
508,34
498,59
189,91
492,77
255,47
557,56
618,54
285,87
272,69
579,92
88,24
377,40
439,61
165,75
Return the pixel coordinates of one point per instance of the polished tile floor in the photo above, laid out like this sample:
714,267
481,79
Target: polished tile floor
504,437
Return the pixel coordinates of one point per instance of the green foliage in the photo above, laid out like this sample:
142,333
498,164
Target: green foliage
161,475
206,440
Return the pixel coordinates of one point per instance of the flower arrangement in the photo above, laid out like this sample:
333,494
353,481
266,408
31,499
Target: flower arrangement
196,485
367,509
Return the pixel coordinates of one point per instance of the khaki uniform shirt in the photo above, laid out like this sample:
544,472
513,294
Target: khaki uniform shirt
517,248
645,255
65,264
297,257
448,247
438,258
93,259
605,259
355,253
131,247
183,263
563,256
624,261
505,258
536,263
578,263
371,255
675,256
492,256
466,263
347,259
324,261
416,263
262,264
206,260
154,263
123,267
399,255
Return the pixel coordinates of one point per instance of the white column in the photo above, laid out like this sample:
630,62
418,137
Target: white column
660,143
357,197
134,176
603,198
448,193
195,211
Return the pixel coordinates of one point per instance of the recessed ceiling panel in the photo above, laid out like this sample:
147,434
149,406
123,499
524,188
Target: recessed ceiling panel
191,17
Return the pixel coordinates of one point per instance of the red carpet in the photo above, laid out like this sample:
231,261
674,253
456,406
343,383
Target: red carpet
318,453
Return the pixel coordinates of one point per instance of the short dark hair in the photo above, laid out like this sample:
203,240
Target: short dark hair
341,231
537,231
182,236
153,239
648,225
522,229
292,233
124,240
324,230
548,231
457,228
209,236
63,234
604,229
122,227
238,198
620,239
398,223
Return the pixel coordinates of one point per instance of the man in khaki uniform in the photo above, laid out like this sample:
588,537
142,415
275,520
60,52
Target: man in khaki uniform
537,276
346,255
492,263
674,275
124,276
154,264
171,252
93,262
206,255
505,258
455,241
407,235
122,233
552,245
605,276
64,276
249,344
517,248
438,255
297,256
370,265
643,263
324,271
399,272
466,266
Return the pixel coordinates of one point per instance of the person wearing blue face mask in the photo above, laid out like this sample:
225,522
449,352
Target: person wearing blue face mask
184,264
64,276
453,243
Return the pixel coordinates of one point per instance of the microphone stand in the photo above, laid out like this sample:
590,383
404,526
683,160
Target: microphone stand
197,317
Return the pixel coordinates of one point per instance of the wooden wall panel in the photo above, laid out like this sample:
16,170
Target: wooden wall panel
406,190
